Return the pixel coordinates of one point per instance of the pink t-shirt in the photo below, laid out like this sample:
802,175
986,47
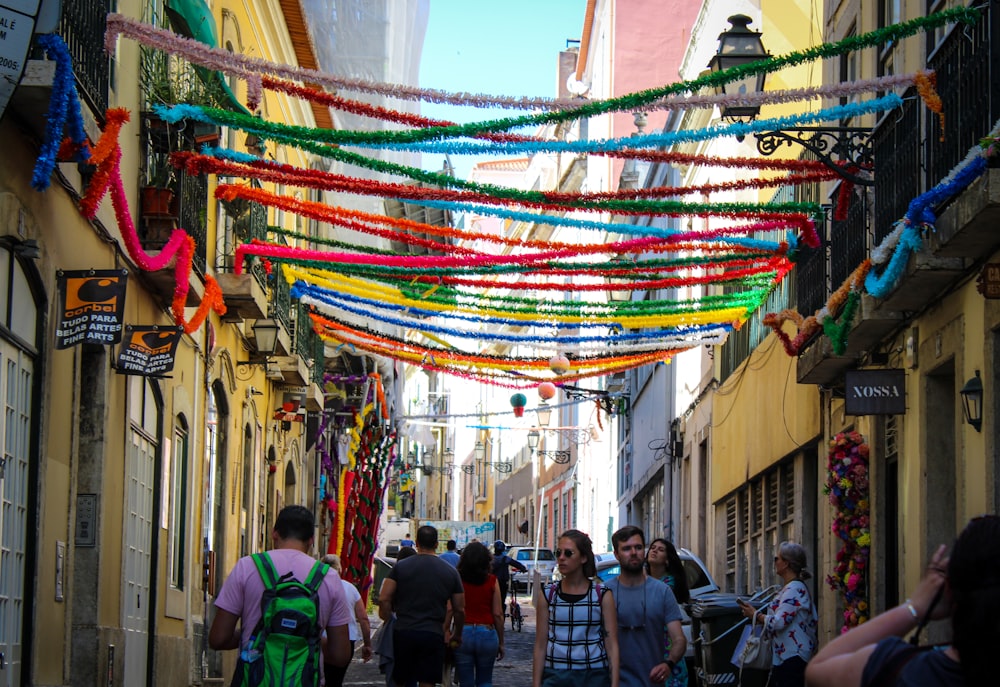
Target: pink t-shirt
242,590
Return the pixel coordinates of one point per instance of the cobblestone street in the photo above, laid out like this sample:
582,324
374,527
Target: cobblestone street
513,671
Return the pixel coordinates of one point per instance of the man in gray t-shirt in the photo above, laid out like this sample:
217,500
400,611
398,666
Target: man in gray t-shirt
648,615
418,590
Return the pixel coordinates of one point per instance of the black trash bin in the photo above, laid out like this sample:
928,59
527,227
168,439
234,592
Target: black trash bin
716,626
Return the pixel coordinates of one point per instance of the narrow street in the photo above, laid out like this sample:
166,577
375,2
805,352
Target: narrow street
513,671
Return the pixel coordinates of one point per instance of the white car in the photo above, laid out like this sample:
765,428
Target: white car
525,555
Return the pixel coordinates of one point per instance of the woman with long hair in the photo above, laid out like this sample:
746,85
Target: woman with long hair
964,588
482,634
663,564
576,631
790,619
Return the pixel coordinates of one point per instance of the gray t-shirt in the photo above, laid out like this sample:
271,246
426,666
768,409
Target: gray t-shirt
424,585
643,614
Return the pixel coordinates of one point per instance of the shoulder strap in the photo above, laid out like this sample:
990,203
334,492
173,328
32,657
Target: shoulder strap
266,570
890,670
316,575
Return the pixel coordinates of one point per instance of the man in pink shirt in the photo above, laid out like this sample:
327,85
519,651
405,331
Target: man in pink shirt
241,592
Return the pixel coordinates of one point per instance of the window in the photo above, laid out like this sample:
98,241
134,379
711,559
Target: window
758,517
889,12
555,517
936,35
178,504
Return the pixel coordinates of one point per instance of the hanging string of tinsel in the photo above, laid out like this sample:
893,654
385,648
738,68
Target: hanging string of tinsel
795,212
480,317
289,175
662,337
713,260
536,259
180,246
250,69
64,109
437,128
446,297
808,326
405,140
505,373
195,164
200,164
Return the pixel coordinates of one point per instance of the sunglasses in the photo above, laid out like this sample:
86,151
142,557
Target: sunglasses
564,553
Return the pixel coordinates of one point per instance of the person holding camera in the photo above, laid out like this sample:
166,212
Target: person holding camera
964,588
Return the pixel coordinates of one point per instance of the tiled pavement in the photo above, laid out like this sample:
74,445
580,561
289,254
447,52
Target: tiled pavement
513,671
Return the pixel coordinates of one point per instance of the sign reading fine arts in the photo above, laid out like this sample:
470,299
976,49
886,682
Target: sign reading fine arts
875,392
92,304
148,350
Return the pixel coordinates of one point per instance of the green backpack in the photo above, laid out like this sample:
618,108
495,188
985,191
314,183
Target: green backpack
284,650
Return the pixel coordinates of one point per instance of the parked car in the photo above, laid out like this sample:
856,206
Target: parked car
525,555
700,582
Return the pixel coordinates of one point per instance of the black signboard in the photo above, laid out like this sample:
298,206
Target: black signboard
148,351
875,392
92,303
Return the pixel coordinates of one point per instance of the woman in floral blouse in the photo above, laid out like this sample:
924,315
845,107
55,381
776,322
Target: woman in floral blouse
790,618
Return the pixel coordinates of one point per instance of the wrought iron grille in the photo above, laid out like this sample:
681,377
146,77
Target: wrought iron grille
255,227
964,63
82,27
281,301
811,284
896,141
194,215
849,239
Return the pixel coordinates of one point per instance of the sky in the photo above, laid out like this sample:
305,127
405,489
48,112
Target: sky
497,48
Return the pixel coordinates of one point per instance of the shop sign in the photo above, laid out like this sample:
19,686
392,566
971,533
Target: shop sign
148,351
92,303
875,392
988,282
17,24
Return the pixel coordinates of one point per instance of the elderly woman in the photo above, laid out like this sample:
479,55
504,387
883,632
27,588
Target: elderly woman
790,619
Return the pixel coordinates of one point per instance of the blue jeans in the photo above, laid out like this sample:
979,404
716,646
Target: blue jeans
474,659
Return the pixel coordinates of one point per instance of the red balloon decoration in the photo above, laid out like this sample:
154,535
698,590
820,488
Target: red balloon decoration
546,390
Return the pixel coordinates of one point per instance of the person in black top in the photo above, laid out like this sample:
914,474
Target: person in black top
963,587
502,563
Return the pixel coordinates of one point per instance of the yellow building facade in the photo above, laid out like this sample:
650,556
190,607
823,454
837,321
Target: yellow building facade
130,496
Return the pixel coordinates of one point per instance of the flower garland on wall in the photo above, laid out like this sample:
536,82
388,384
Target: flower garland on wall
847,487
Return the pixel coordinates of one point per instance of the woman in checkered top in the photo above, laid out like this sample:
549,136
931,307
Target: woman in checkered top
576,632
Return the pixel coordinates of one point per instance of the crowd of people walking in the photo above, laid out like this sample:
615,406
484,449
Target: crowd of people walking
443,617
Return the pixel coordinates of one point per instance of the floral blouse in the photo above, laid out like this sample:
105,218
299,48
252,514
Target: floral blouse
791,622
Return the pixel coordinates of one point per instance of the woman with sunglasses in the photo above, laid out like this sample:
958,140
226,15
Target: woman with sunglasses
790,619
965,588
576,632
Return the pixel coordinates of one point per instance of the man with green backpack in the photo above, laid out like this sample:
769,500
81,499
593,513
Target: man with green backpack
283,600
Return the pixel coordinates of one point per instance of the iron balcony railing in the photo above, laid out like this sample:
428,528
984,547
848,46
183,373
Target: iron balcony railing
849,238
194,215
82,28
912,152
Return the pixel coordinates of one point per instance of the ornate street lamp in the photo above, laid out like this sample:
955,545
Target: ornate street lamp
739,46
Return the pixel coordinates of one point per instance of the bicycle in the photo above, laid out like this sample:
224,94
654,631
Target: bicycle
516,619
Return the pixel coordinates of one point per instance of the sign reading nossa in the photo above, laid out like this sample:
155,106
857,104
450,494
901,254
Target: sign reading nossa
875,392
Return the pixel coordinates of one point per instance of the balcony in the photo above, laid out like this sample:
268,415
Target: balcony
82,28
910,158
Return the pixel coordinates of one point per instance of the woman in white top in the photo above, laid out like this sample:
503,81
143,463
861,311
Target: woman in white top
790,619
358,627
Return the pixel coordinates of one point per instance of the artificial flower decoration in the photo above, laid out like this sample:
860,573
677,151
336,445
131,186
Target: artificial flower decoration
847,488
